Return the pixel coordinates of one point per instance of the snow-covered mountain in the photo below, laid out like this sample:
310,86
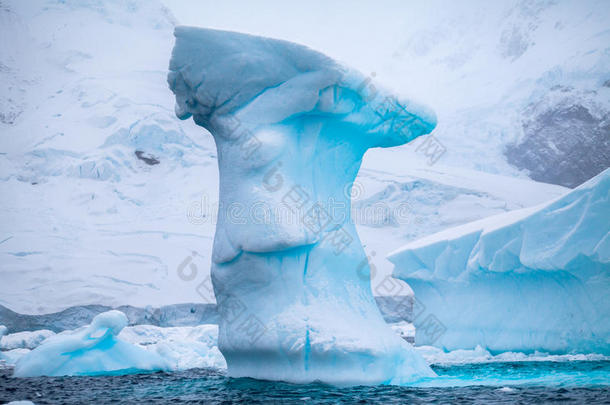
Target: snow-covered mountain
86,217
109,199
519,86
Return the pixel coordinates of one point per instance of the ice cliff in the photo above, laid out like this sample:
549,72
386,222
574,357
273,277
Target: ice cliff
530,279
291,127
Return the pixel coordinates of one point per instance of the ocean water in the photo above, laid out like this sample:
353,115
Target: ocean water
521,382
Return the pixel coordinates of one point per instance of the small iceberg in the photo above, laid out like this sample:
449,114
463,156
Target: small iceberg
91,350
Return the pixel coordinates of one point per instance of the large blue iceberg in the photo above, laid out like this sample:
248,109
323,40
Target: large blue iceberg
531,279
91,350
291,127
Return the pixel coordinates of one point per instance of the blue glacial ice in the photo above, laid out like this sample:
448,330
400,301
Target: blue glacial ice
291,127
534,279
91,350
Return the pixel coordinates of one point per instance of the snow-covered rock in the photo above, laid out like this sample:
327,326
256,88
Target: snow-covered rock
291,127
92,350
565,135
530,279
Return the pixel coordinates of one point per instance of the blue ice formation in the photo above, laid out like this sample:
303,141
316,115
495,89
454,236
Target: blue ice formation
3,330
527,280
291,127
91,350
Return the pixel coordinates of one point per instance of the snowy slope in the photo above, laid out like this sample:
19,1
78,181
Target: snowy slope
84,220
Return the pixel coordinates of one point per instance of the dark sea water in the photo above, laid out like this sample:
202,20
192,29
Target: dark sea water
578,382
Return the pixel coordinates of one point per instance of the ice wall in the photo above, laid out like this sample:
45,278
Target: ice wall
530,279
291,127
91,350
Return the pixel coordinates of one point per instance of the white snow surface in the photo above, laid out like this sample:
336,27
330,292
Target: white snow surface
527,280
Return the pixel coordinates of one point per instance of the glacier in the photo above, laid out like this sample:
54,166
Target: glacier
91,350
291,127
534,279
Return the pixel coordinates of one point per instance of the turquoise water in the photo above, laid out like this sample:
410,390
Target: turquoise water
523,382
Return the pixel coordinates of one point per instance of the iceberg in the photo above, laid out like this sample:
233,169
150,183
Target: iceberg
291,127
534,279
91,350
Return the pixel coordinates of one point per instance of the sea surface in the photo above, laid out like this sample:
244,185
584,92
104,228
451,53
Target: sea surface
579,382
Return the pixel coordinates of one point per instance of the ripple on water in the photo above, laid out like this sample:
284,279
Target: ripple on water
576,382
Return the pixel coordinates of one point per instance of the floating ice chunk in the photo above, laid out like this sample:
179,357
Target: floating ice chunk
91,350
291,127
11,357
25,340
434,355
183,347
531,279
